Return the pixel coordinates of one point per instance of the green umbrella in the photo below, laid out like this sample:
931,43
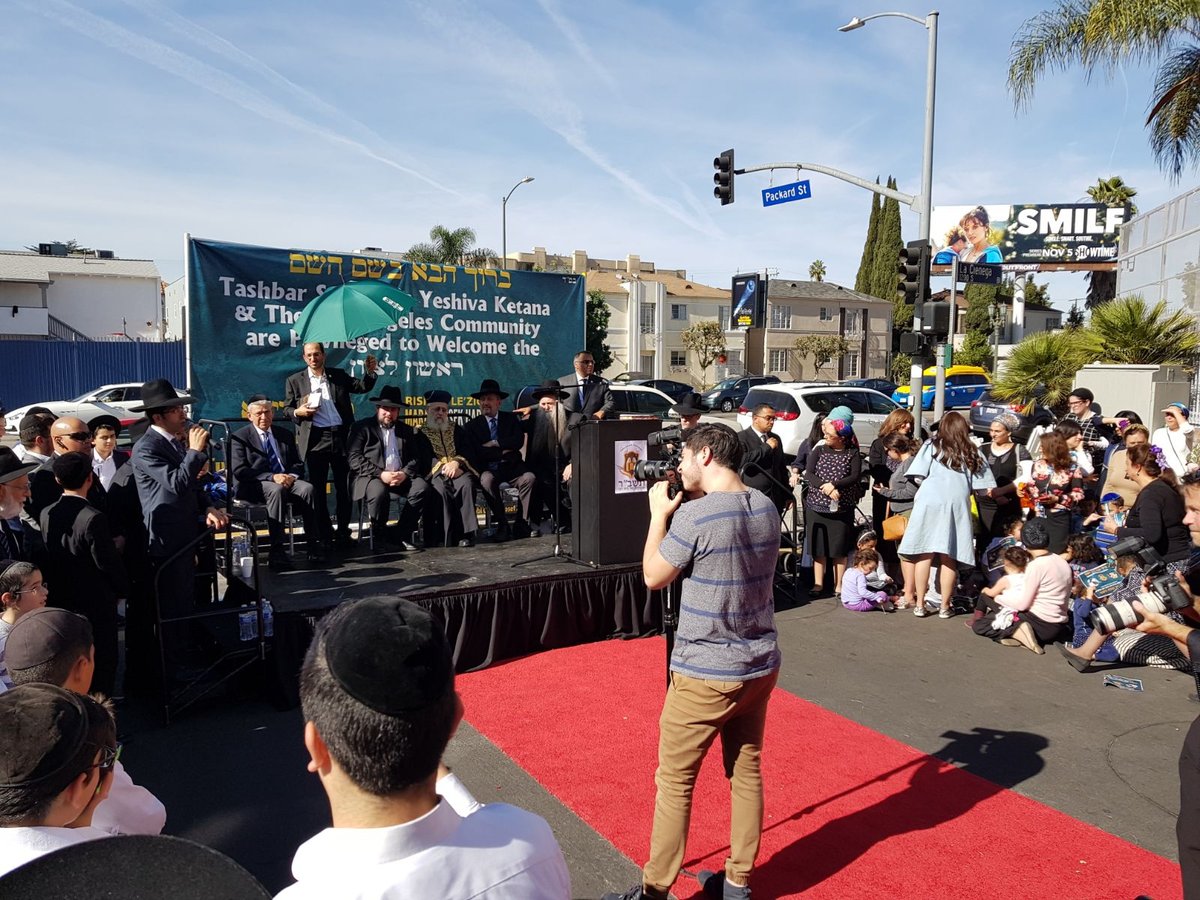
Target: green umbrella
351,310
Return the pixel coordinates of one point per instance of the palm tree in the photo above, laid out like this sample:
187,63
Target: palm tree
455,248
816,271
1099,35
1128,331
1102,286
1042,368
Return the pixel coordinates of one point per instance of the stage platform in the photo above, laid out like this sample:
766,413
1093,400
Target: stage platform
492,610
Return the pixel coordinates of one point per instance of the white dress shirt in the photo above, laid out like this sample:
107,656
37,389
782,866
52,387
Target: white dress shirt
497,852
326,414
129,808
105,469
21,844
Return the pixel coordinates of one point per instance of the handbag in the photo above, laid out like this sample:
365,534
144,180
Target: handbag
893,526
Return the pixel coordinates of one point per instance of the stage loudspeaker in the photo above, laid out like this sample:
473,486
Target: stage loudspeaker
610,523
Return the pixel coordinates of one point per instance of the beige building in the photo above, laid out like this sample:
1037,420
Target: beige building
650,308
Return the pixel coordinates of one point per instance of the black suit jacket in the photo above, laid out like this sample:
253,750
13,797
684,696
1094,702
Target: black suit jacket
81,554
249,463
537,450
44,489
367,459
341,386
760,460
169,491
510,437
597,396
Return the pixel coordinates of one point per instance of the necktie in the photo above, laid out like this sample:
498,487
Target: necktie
764,438
391,453
582,393
272,456
495,434
11,549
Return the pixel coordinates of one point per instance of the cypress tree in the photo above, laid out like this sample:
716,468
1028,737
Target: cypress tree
887,249
862,281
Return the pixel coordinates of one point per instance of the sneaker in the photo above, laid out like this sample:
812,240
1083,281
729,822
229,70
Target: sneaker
946,613
921,612
716,887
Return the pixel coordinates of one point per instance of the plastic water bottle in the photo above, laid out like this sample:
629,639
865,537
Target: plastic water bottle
247,624
268,619
833,506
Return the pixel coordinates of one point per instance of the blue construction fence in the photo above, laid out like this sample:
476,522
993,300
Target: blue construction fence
38,371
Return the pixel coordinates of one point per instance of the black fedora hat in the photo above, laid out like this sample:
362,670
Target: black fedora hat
690,405
104,421
390,397
160,394
12,468
547,388
437,397
489,386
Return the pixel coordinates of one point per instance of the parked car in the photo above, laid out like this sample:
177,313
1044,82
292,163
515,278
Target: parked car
988,407
885,387
964,385
796,404
676,390
629,399
111,399
728,395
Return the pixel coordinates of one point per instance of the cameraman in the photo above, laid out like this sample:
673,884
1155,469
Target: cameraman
1187,828
725,661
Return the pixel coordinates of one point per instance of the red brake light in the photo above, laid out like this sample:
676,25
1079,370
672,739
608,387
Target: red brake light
1015,407
742,410
787,416
974,403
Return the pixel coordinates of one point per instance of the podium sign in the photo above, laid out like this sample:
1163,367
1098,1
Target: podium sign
610,511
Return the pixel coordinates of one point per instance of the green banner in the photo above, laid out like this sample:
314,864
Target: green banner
467,324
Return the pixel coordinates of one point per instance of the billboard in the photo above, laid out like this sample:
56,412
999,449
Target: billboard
467,324
749,301
1030,234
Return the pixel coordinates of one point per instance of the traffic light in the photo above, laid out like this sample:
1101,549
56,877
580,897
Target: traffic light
913,268
723,179
935,320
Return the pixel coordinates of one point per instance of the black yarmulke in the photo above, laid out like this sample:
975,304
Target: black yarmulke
42,728
390,655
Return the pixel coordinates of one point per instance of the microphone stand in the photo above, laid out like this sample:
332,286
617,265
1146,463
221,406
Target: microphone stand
558,552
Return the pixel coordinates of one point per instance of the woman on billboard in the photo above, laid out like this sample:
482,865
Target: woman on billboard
977,226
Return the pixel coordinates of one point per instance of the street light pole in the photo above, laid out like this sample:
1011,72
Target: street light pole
504,220
925,210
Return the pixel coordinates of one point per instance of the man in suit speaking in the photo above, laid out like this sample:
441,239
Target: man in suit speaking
588,396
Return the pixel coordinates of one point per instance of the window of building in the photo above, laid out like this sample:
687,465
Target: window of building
723,317
826,314
781,316
678,357
647,363
777,361
647,318
679,312
854,321
851,359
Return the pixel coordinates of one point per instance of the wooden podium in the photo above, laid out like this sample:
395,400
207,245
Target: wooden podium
609,524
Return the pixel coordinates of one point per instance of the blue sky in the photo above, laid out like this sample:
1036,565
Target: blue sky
337,126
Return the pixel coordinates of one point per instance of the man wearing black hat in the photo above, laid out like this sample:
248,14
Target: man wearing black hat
588,396
57,753
14,491
496,439
84,561
690,409
451,474
387,460
266,469
377,692
318,401
548,453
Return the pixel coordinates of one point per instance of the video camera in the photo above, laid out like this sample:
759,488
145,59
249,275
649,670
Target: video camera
666,468
1165,594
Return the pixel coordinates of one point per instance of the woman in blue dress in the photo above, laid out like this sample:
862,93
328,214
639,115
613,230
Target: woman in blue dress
941,524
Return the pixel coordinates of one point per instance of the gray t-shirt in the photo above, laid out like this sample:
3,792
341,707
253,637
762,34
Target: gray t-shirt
727,612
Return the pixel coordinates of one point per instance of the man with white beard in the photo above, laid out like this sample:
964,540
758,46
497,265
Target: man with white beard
452,476
548,453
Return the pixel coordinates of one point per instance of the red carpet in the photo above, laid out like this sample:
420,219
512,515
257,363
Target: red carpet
849,812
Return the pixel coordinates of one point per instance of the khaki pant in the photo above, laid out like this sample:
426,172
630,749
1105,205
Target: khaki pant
696,711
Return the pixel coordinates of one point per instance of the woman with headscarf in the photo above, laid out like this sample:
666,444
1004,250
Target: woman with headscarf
998,506
833,473
941,523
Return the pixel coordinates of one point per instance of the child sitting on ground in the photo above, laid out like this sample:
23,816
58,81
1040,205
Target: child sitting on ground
21,590
1005,591
856,594
993,555
878,580
1083,554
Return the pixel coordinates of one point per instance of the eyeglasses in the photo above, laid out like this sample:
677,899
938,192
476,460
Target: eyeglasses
587,362
108,759
43,588
79,435
766,418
